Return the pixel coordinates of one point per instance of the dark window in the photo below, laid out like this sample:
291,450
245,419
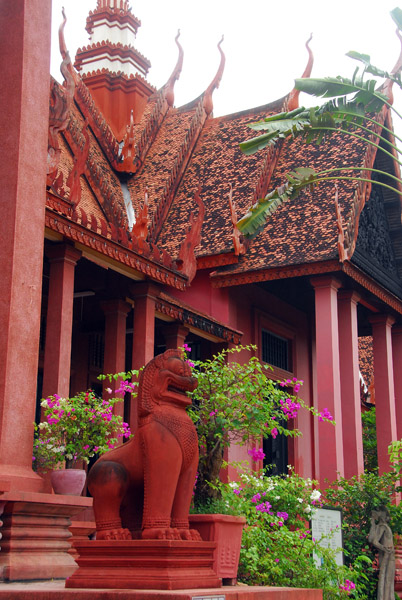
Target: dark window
276,454
275,350
96,350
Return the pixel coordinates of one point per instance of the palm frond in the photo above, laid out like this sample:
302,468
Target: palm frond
365,92
255,219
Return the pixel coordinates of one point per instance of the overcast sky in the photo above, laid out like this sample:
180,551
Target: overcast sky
264,42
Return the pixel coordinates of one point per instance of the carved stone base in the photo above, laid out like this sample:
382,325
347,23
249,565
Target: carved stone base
35,535
144,564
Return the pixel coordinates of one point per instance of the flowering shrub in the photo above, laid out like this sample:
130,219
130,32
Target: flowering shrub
277,545
77,428
357,497
237,403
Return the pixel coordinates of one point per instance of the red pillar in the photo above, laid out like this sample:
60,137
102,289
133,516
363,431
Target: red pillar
350,384
24,115
329,443
115,344
59,321
175,335
397,363
384,387
144,295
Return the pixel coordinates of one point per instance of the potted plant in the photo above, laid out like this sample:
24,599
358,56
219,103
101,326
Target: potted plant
234,402
74,430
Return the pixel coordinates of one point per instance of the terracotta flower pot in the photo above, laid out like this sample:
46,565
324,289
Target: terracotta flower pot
69,482
226,530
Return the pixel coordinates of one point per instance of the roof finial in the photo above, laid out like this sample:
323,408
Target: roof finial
208,105
169,86
293,98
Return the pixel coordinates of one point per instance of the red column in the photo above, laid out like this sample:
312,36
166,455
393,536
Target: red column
59,321
24,115
384,387
350,384
397,363
144,295
115,344
329,444
175,335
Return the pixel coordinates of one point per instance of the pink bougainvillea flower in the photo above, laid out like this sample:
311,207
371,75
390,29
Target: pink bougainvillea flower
325,415
256,453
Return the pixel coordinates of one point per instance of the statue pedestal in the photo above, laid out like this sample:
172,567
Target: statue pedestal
35,536
144,564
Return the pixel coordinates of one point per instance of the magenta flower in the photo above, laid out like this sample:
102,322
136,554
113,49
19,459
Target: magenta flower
325,415
256,454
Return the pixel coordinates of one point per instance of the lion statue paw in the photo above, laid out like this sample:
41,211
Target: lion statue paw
113,534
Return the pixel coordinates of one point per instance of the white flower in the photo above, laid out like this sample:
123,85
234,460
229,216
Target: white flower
315,495
233,484
300,500
277,497
307,509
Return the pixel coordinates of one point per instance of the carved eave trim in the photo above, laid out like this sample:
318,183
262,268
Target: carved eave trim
115,52
363,189
372,286
196,322
97,244
217,260
285,272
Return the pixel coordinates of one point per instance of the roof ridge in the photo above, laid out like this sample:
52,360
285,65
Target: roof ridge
182,158
104,193
98,123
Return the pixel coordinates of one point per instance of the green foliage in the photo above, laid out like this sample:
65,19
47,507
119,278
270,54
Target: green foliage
395,455
370,440
77,428
277,546
353,104
235,403
258,214
357,497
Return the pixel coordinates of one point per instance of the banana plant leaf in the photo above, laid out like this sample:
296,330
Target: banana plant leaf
331,87
396,15
255,219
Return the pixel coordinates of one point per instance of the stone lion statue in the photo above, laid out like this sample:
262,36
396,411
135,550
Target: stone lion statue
143,489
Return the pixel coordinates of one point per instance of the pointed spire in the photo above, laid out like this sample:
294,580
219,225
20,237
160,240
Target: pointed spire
208,104
168,88
59,108
293,98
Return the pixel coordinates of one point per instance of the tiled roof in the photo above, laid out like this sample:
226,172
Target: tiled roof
304,230
366,361
217,163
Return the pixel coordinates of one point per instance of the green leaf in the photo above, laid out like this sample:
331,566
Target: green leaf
331,87
396,15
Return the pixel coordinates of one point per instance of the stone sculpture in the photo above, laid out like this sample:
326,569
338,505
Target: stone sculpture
143,489
380,536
